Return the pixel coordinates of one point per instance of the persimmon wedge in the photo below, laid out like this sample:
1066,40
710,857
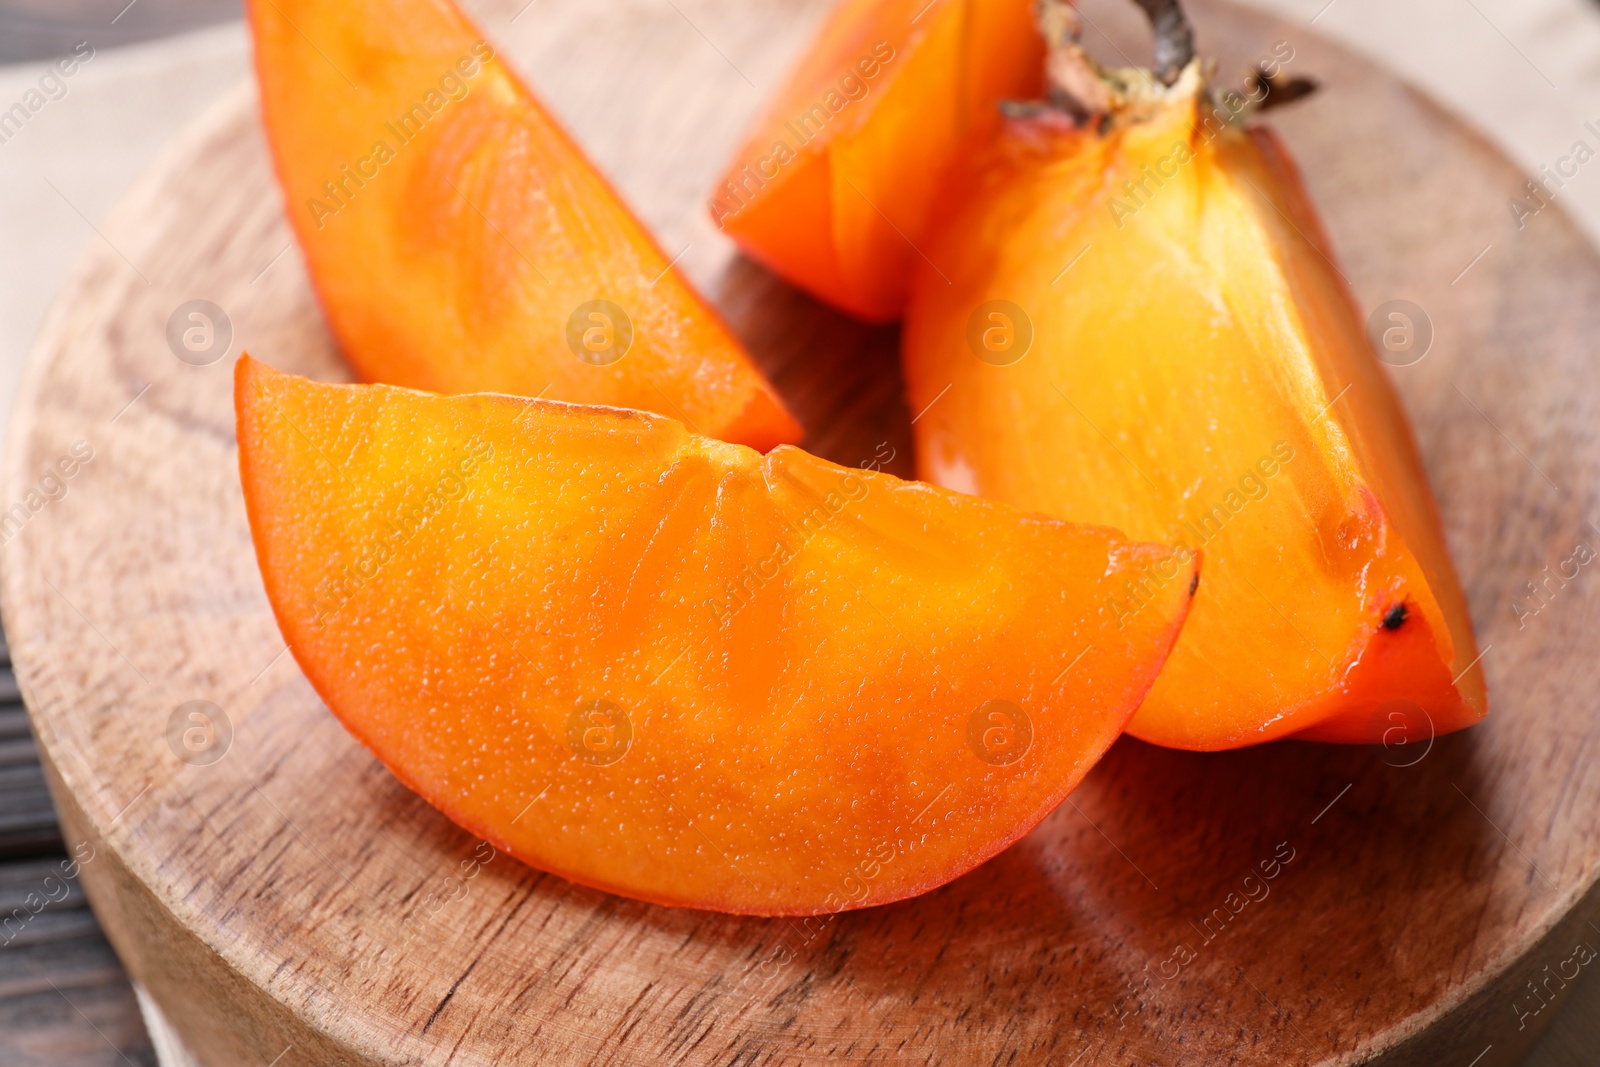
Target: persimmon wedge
1142,326
832,186
676,669
461,242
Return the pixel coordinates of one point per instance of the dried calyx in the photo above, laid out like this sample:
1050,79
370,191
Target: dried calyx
1081,87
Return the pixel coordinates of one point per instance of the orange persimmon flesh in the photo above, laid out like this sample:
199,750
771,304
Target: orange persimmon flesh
1199,376
832,186
793,660
458,238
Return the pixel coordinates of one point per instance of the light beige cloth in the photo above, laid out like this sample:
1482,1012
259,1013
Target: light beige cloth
63,169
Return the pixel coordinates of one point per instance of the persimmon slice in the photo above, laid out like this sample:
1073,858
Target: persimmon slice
1143,325
833,184
461,242
670,667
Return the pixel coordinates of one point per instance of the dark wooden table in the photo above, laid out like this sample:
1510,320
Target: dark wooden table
64,999
43,29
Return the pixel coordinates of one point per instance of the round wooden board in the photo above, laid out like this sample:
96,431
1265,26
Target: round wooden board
292,899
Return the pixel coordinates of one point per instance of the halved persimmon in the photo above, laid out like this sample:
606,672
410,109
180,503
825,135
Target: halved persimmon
672,668
832,186
458,238
1139,323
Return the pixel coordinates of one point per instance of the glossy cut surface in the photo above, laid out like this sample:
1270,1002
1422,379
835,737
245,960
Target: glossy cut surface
673,668
460,241
833,185
1145,329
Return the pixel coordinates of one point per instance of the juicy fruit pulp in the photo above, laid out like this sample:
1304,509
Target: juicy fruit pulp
833,185
1198,376
673,668
459,240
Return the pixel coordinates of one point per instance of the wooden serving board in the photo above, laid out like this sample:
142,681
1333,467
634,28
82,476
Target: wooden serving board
282,896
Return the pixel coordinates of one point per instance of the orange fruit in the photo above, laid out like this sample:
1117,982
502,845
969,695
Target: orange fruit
458,238
1142,326
833,184
676,669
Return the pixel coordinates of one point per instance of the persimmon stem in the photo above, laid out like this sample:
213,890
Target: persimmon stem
1174,38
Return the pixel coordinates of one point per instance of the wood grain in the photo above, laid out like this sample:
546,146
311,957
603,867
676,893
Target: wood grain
64,999
282,901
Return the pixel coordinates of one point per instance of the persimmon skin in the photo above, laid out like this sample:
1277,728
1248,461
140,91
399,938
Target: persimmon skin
801,651
455,233
1198,374
832,187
